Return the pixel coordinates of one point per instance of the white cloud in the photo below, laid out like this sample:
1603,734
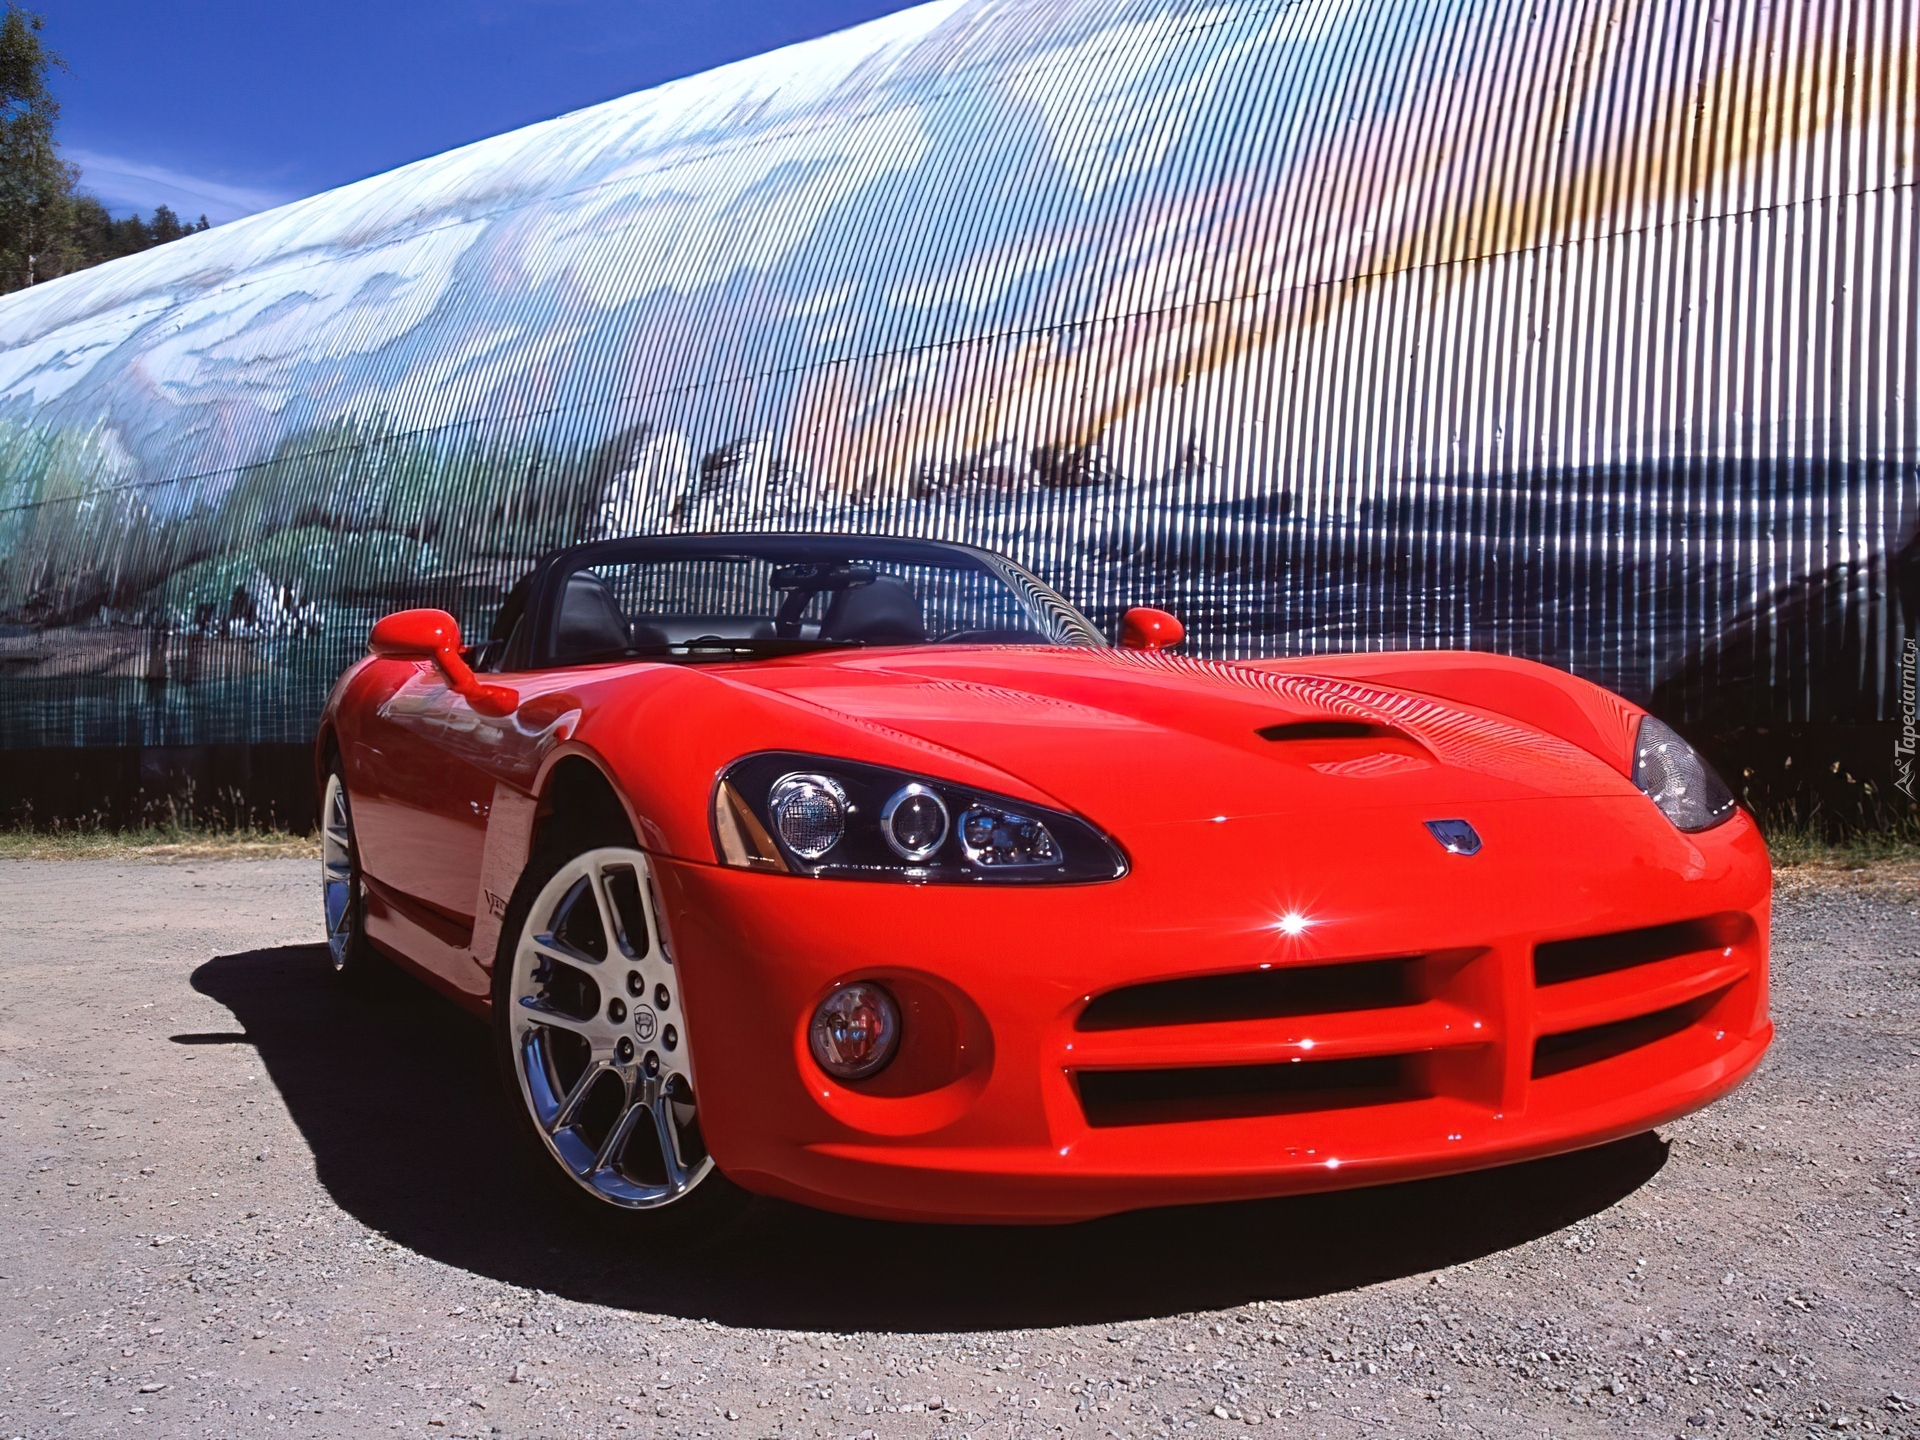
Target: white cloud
136,185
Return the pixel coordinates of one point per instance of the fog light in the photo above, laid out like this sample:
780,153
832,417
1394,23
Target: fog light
855,1031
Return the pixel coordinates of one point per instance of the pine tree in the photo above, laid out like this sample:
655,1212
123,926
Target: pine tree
49,227
36,185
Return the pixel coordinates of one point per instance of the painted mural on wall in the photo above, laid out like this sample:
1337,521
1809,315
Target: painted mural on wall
1583,330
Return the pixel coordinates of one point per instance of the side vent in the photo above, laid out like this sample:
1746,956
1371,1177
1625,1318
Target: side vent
1560,961
1557,1054
1256,995
1228,1092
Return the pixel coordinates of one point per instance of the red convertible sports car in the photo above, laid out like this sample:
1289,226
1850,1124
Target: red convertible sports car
866,873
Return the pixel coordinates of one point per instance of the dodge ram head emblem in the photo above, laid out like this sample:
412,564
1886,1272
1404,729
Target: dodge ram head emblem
1456,837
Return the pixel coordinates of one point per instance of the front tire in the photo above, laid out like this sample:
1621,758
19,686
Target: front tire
342,895
592,1043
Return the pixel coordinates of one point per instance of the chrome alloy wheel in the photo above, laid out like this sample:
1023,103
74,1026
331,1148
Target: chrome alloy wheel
337,887
599,1038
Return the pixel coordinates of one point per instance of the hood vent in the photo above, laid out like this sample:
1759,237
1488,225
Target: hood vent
1329,730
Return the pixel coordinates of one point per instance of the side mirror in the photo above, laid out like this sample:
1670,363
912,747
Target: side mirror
435,635
414,635
1144,628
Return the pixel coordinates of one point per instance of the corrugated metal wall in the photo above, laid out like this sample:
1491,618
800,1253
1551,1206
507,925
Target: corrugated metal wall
1584,331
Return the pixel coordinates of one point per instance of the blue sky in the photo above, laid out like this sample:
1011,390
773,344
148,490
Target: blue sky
224,107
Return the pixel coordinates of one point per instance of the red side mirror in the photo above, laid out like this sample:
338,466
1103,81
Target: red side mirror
1144,628
414,635
435,635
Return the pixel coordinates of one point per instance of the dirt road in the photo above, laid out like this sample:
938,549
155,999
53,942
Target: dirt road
240,1202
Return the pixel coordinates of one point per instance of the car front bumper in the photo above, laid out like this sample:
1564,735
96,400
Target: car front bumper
1590,974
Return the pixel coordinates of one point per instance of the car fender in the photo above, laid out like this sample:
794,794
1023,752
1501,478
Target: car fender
327,737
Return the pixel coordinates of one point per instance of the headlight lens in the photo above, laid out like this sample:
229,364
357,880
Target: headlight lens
840,819
855,1031
998,839
915,822
809,813
1671,773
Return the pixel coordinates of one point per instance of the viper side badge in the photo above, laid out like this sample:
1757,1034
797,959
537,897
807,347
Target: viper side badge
1456,837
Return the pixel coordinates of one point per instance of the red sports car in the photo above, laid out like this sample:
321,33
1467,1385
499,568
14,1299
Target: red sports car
865,872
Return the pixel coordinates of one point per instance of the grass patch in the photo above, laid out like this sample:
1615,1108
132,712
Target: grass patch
1800,846
157,842
1886,839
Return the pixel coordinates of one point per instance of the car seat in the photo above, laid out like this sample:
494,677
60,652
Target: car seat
885,612
591,620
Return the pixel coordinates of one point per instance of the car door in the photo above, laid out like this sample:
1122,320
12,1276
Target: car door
418,770
443,804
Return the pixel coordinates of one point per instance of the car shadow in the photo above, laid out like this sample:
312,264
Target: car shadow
396,1092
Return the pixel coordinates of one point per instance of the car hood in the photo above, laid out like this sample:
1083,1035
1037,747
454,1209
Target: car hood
1130,737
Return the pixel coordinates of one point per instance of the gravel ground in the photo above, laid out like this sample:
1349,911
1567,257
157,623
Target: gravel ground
241,1203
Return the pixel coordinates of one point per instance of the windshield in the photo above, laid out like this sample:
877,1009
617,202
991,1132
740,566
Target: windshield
737,597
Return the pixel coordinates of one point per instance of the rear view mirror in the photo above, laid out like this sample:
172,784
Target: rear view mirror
435,635
1144,628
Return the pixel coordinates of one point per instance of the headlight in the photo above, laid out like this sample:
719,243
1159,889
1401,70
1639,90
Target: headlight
1000,839
915,822
1671,773
840,819
810,812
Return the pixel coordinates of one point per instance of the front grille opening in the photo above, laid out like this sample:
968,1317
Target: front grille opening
1559,961
1329,730
1232,1092
1557,1054
1256,995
